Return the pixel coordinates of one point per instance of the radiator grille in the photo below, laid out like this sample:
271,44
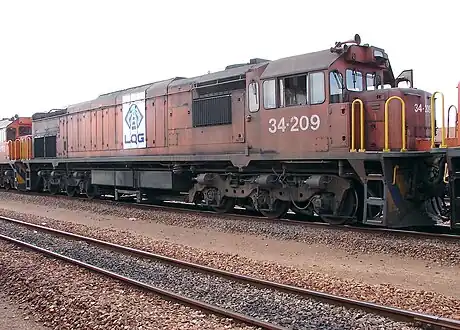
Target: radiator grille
212,111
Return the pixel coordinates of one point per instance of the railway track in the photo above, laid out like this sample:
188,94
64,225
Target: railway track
256,302
443,233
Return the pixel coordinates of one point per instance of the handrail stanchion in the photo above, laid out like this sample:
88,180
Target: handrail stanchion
22,156
433,119
395,172
448,120
403,124
361,115
29,147
17,149
445,177
10,149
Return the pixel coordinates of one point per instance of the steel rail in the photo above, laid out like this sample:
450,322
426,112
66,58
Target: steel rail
392,312
208,213
165,293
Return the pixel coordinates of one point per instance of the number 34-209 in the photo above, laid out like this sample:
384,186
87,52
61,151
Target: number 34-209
295,124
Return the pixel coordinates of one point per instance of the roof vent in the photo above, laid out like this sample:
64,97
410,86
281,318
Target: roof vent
252,61
257,60
232,66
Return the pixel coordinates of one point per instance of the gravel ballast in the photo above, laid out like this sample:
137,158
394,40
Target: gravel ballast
418,300
63,296
384,294
287,310
429,249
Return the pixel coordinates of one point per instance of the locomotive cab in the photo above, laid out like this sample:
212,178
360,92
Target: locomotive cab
312,102
362,77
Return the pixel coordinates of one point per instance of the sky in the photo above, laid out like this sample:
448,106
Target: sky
56,53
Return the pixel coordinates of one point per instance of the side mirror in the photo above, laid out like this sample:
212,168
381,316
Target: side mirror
406,75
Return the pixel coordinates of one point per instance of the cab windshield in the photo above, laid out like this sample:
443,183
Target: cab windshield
354,80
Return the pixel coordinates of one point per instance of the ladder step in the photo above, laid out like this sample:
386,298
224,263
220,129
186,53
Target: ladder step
374,221
125,191
375,201
375,177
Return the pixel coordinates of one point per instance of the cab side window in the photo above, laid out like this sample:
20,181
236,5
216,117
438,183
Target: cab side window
335,87
253,96
298,90
11,134
269,87
370,81
317,92
293,91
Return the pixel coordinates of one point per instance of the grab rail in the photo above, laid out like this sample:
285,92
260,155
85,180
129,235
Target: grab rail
361,114
395,172
448,120
433,119
403,123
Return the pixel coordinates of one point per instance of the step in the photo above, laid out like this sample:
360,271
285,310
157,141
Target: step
374,222
377,201
374,177
124,191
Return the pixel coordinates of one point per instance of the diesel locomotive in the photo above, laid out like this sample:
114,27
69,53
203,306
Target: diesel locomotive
329,134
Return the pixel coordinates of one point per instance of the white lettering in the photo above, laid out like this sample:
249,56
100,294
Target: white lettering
281,125
272,128
304,123
422,108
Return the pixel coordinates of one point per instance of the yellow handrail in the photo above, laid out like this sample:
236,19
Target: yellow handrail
448,120
29,147
361,113
433,130
395,171
23,149
403,123
446,174
17,149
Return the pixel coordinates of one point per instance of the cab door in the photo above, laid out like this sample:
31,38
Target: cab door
339,114
339,120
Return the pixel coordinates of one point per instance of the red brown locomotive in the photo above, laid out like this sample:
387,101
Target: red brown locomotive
327,133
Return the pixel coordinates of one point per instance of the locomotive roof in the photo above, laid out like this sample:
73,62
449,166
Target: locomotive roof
240,70
319,60
284,66
160,87
151,89
4,123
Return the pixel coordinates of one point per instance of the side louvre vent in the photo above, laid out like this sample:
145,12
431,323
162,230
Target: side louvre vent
212,111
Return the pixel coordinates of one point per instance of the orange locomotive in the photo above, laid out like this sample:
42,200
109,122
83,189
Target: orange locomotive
310,133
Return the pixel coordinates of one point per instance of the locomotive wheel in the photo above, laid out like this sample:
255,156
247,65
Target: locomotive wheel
279,209
437,209
347,210
226,205
334,220
71,191
7,184
54,189
91,191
